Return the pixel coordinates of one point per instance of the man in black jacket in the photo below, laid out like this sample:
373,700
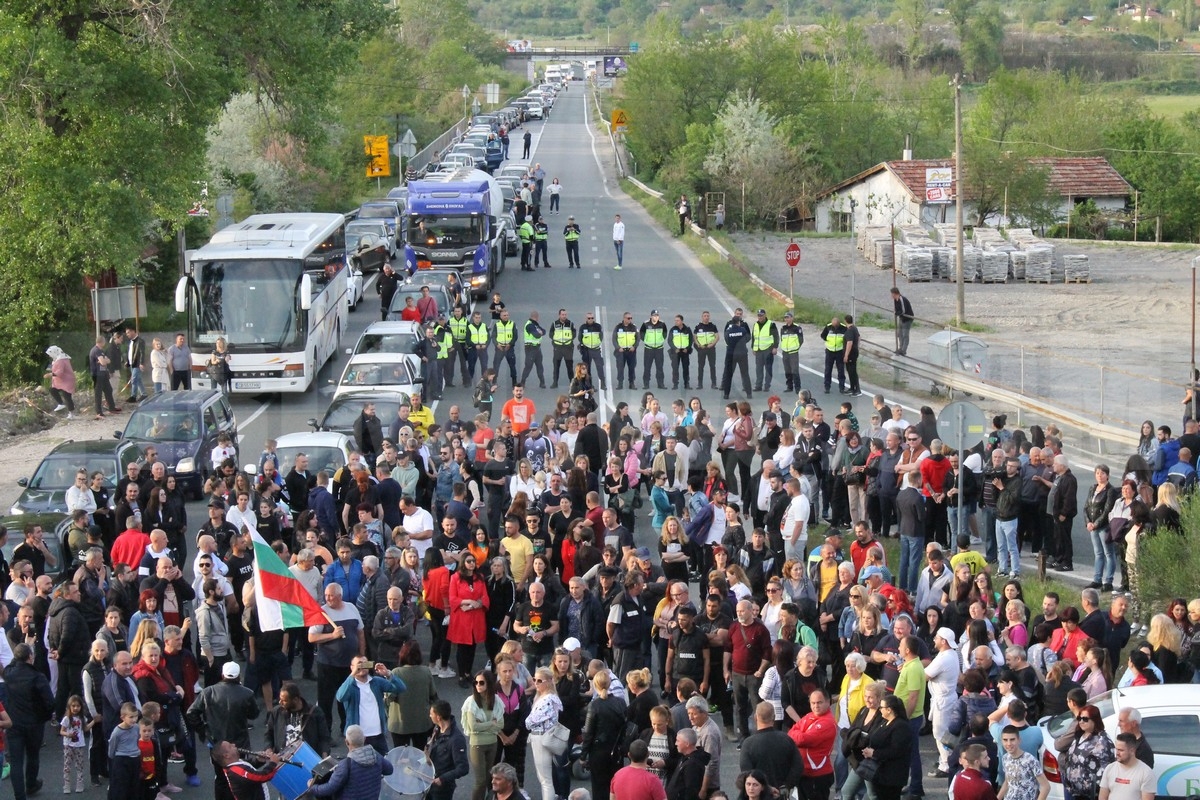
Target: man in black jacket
587,623
687,779
224,709
772,751
386,285
68,638
30,706
294,712
297,483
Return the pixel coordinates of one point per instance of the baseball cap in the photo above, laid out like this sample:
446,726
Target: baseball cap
654,312
216,502
609,572
571,645
686,608
762,312
231,671
948,635
535,425
570,216
871,572
770,417
642,552
788,315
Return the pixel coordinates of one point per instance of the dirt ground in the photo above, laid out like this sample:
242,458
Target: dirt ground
1118,347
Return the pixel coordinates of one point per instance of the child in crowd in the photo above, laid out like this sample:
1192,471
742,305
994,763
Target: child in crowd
124,756
165,738
269,454
965,555
222,451
73,728
847,413
148,762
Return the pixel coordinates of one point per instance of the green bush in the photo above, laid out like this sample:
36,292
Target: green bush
1168,564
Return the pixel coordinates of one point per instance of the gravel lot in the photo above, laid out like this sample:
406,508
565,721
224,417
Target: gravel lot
1134,318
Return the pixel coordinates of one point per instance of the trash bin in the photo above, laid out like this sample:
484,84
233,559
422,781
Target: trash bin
958,352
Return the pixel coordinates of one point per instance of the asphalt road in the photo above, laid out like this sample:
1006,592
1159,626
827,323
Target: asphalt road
659,273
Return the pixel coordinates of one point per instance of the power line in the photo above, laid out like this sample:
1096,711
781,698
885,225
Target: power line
1090,150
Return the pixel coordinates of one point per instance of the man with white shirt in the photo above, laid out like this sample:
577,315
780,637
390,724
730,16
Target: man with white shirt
794,527
241,516
418,523
79,496
619,241
361,696
158,548
204,571
897,424
207,545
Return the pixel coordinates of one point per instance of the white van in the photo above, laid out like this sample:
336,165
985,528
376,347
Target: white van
553,74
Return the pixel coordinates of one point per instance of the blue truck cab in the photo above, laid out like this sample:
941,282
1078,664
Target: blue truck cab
453,219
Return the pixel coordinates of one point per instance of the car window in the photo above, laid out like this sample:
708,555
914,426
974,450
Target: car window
405,343
329,459
165,425
58,471
226,409
210,420
1174,734
343,412
378,374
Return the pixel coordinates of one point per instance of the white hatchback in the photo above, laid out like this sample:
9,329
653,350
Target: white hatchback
1170,723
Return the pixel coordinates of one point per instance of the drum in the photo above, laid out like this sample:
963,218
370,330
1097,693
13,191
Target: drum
290,781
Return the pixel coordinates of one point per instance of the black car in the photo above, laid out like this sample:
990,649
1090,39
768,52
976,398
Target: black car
184,427
46,490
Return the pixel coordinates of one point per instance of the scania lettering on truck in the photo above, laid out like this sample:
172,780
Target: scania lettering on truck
453,219
274,287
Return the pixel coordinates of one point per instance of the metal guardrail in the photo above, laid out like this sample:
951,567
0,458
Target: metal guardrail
961,382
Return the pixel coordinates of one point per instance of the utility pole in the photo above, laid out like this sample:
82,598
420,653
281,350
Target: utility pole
959,196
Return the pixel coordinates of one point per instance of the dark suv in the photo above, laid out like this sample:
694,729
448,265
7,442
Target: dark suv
46,490
183,427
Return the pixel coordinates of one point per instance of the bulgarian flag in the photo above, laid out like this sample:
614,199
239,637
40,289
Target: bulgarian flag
282,601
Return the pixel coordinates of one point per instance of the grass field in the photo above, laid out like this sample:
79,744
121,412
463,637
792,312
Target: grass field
1173,106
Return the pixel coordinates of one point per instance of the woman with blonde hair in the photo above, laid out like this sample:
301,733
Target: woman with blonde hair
147,632
642,697
1166,512
674,550
1167,641
739,582
541,724
522,483
601,731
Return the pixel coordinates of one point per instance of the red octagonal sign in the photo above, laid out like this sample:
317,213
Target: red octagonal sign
792,254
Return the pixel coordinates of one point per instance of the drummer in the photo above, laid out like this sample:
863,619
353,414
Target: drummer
246,781
369,769
293,720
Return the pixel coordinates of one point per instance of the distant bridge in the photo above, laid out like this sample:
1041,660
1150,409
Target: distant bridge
552,53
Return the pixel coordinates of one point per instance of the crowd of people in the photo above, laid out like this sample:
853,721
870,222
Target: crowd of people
654,589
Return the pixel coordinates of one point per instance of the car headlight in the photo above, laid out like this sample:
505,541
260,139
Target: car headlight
186,465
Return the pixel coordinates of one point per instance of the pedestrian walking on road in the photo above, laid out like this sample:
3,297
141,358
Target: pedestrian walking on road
555,189
619,241
528,140
904,320
571,235
684,209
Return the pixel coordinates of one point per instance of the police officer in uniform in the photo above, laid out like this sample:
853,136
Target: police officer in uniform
525,232
834,336
737,353
625,340
680,342
533,350
653,335
562,336
591,348
541,235
477,343
790,338
445,341
504,332
764,341
460,348
571,234
705,334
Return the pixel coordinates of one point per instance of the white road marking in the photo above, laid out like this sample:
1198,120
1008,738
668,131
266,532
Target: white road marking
248,420
596,156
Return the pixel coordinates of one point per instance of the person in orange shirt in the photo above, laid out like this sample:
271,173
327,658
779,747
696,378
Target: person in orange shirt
520,411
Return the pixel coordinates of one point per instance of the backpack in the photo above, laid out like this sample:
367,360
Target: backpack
628,735
477,396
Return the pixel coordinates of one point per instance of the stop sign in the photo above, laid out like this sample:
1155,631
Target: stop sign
792,254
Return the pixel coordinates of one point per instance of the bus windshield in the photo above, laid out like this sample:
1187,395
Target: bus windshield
430,230
251,303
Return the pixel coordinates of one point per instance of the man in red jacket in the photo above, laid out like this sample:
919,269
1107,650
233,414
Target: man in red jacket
130,546
815,735
971,783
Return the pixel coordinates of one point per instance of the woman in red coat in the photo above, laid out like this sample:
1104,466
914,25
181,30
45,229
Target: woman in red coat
468,615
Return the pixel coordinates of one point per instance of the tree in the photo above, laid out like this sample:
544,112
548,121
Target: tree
981,41
107,103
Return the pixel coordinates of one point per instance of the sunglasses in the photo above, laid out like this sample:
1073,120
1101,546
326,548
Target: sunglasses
1084,719
481,683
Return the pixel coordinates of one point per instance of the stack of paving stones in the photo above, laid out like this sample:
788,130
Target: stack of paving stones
1076,269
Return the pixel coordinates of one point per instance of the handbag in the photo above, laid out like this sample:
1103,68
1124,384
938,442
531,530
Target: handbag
867,768
557,738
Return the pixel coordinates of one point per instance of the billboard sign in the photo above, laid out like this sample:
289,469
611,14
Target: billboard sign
614,66
939,182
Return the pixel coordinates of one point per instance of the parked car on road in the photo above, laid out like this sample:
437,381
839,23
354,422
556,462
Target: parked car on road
183,427
46,489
